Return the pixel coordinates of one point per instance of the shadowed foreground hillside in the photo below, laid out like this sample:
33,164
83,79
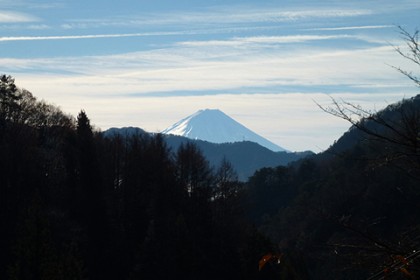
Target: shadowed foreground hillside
353,211
77,205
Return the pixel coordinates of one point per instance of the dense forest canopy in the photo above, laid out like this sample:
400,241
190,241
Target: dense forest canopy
75,204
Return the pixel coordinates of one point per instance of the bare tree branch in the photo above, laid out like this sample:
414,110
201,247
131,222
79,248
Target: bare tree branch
413,54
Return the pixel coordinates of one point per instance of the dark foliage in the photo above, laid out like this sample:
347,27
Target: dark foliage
77,205
246,157
352,212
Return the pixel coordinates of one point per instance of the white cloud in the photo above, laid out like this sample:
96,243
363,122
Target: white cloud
217,17
16,17
262,15
343,28
37,27
264,40
31,4
73,37
231,42
204,68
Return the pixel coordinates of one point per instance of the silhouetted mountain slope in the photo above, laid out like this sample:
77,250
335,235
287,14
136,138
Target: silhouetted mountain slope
355,205
390,122
246,157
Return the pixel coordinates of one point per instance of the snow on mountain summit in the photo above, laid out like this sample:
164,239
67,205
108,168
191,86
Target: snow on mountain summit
214,126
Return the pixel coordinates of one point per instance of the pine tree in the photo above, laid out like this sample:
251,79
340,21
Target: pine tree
92,211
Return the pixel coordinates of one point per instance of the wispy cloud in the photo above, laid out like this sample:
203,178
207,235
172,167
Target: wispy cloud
72,37
272,15
16,17
352,28
229,42
264,40
39,27
203,68
216,17
31,4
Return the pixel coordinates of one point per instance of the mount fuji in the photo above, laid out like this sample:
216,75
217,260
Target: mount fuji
214,126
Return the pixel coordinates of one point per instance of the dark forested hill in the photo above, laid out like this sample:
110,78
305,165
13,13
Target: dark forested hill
75,204
393,121
246,157
352,212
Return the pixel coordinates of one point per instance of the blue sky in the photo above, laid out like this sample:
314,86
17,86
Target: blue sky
264,63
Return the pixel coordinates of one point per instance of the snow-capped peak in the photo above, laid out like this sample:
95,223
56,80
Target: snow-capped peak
213,125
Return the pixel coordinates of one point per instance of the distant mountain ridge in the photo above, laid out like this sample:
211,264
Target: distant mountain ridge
214,126
245,156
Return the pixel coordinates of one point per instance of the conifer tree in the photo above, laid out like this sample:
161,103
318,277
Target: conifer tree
92,209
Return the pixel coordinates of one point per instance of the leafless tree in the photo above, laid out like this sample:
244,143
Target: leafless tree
413,53
395,132
397,128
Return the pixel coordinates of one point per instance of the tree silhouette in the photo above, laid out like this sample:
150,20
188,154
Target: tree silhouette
91,210
390,146
8,98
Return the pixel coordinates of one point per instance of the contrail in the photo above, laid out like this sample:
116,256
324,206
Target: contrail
72,37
